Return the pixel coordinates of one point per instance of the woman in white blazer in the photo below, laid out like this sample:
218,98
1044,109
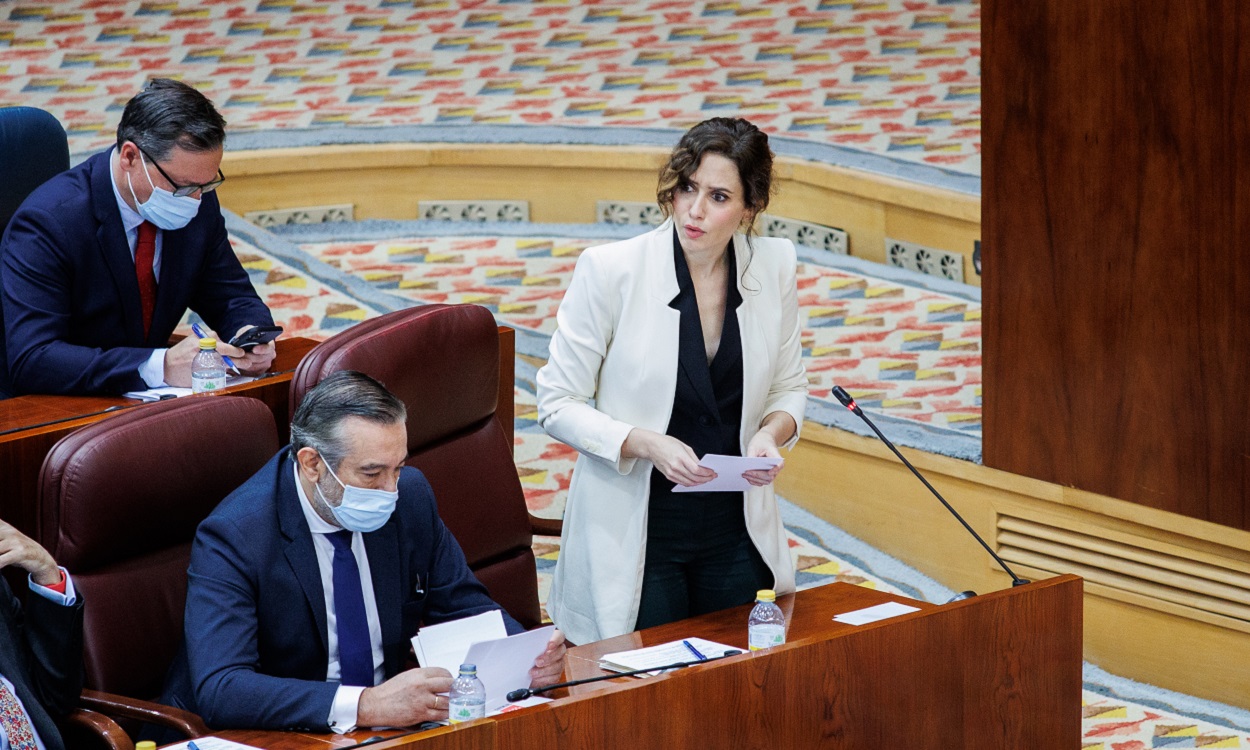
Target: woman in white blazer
676,343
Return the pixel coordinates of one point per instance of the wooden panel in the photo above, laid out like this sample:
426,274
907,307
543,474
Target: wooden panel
562,183
1116,195
1002,670
855,483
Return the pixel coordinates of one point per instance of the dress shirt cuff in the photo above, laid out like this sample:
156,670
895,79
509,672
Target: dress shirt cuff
153,371
342,716
68,599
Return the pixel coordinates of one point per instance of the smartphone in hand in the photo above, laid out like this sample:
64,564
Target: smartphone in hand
255,336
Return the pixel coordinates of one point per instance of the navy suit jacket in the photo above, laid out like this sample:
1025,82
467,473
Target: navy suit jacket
255,650
71,314
41,654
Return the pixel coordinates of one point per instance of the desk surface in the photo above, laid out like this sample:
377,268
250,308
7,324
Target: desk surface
808,615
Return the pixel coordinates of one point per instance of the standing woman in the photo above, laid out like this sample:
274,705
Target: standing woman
677,343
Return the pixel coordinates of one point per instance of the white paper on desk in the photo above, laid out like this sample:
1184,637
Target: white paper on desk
166,391
872,614
445,644
664,654
503,665
213,743
729,472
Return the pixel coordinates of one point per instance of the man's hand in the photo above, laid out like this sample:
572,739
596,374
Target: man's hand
405,699
18,549
178,361
549,666
254,362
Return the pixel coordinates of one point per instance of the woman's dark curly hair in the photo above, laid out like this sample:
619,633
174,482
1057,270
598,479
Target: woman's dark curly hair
733,138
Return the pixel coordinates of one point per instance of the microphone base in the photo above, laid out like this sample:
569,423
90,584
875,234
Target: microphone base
962,595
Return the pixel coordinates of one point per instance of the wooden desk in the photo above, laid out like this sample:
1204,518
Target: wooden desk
1002,670
31,425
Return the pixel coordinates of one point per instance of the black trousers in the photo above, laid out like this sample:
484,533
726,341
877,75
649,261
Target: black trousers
699,558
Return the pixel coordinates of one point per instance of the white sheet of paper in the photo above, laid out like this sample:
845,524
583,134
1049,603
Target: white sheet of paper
872,614
729,472
503,664
213,743
445,644
155,394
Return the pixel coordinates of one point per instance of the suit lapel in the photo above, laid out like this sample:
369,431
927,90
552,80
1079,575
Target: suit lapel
755,359
691,352
299,550
111,240
385,561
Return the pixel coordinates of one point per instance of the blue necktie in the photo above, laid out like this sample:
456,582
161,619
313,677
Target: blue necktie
355,651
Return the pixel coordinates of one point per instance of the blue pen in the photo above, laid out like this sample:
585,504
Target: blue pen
694,650
192,745
199,332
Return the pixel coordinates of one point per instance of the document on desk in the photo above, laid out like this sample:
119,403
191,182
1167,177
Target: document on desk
503,661
210,743
872,614
163,392
729,472
663,655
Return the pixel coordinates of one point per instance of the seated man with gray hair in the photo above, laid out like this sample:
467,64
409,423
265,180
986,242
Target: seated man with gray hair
308,581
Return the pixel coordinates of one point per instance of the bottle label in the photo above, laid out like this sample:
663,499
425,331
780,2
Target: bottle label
459,711
206,383
760,637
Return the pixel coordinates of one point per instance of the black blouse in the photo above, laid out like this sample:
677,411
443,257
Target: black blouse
707,404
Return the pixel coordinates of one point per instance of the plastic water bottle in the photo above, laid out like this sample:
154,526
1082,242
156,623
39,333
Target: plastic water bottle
468,696
766,627
208,369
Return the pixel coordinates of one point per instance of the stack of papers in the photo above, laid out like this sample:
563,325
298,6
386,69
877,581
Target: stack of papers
169,391
662,655
212,743
503,661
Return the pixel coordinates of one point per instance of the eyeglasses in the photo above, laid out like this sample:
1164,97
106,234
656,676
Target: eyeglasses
181,191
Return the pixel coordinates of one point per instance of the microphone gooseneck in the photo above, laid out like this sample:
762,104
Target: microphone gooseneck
521,694
845,399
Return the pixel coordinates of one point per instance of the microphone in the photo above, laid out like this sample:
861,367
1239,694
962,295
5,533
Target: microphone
521,694
845,399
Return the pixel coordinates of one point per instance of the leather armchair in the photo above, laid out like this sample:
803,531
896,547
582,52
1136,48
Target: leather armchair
442,361
33,149
119,503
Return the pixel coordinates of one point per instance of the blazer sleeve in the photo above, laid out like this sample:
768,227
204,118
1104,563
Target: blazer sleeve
223,295
788,390
37,311
221,630
53,636
585,325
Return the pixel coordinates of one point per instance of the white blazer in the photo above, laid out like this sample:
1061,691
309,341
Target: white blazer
613,367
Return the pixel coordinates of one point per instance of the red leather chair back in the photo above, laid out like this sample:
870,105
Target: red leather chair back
119,502
443,362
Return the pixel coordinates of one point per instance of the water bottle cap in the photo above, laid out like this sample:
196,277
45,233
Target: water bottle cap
145,745
765,595
468,669
207,343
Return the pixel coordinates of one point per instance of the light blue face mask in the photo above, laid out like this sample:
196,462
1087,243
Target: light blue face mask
360,509
163,208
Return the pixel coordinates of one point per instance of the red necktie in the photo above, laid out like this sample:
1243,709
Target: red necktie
145,253
15,722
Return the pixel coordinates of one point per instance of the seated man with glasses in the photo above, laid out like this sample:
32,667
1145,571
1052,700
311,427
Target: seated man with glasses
101,262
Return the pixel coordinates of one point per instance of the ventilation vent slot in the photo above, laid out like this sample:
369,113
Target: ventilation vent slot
1141,567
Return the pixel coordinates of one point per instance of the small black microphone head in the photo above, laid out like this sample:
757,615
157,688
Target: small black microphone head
519,694
844,398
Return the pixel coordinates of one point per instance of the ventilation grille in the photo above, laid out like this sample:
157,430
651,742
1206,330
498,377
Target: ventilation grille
1143,567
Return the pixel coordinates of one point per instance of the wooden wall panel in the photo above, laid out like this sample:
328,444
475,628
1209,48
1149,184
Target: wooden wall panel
1115,218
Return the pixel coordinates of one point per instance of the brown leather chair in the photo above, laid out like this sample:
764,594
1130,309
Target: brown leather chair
119,503
442,362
